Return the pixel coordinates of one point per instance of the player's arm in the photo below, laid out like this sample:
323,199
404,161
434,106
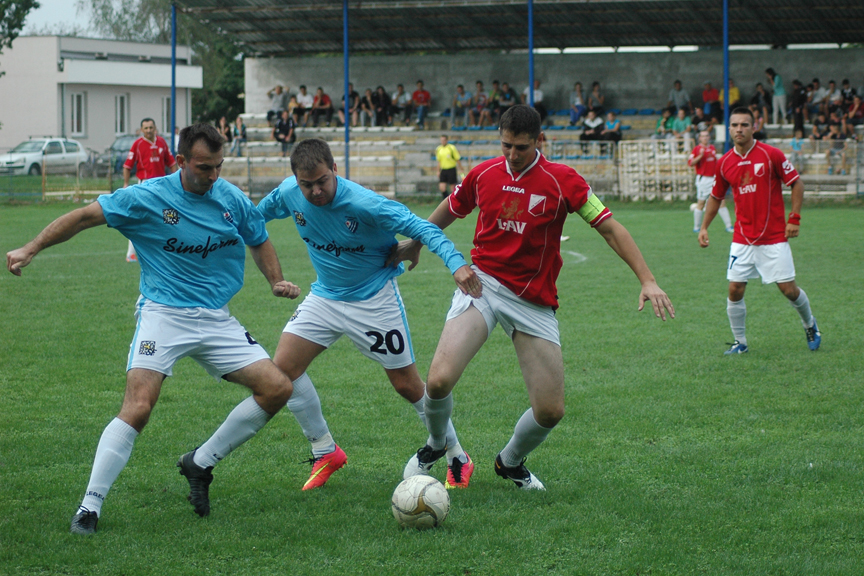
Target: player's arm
409,250
622,243
797,200
265,258
60,230
127,173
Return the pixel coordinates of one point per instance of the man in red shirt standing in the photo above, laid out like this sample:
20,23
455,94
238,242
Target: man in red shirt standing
421,100
703,159
760,245
523,201
711,100
154,159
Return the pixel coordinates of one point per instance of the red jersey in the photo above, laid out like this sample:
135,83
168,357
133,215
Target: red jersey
152,158
712,95
707,166
518,235
421,97
323,101
757,179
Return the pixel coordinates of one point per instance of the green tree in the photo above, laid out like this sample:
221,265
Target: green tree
12,15
150,21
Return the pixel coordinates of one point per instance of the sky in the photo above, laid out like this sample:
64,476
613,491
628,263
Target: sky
53,12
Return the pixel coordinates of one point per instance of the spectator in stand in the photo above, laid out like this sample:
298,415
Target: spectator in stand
679,98
478,111
799,105
224,128
758,124
305,102
508,98
401,103
421,100
848,94
538,101
734,95
278,103
778,101
353,106
322,106
494,104
285,133
367,108
593,127
700,121
596,100
577,104
820,129
762,101
816,99
840,118
711,101
663,128
855,115
381,102
461,104
837,148
239,134
611,128
834,100
681,125
292,106
796,144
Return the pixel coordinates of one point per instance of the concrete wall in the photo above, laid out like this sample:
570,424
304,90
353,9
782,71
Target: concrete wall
29,96
628,80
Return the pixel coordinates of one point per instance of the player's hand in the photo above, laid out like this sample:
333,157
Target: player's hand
285,289
703,238
792,230
659,300
17,259
405,250
468,281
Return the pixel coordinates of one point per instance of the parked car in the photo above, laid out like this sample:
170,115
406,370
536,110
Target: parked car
61,156
114,156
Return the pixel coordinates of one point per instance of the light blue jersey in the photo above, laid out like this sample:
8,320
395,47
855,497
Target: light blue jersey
349,239
192,249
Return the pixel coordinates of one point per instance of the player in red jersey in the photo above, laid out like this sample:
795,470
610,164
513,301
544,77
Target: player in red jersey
523,200
703,159
154,159
760,245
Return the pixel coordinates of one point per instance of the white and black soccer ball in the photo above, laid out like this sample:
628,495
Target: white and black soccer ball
420,502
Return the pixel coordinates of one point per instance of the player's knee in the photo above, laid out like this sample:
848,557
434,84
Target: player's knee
549,416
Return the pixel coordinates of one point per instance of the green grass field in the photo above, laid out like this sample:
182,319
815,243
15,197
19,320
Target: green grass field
672,459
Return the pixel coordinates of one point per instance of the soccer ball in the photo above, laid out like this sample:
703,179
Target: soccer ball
693,206
420,502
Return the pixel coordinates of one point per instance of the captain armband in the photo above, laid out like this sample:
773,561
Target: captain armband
593,211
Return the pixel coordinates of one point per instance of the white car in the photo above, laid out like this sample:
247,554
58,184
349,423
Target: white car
61,156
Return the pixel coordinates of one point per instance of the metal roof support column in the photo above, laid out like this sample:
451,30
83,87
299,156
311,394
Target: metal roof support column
347,95
531,53
173,76
726,94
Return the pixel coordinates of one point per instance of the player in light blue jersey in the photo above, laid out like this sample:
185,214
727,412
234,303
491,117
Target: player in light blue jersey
190,230
349,233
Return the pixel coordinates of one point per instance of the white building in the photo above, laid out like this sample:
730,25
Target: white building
90,90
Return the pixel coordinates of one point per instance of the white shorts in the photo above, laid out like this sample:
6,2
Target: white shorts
773,262
499,305
378,327
213,338
704,185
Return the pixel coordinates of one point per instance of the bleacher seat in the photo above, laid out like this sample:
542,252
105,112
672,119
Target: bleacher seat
555,127
564,112
617,111
474,128
646,112
630,112
458,128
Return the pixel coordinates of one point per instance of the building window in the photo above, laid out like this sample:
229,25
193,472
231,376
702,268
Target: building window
121,114
166,115
79,113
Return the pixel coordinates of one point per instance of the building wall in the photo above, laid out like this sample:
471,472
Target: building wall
29,99
628,80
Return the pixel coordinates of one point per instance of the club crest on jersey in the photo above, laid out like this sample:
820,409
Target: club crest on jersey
147,348
228,217
759,169
787,167
536,204
351,224
299,219
170,216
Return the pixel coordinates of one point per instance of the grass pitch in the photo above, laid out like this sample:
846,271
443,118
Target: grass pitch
672,459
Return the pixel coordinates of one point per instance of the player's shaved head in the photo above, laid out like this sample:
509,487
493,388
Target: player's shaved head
309,154
521,119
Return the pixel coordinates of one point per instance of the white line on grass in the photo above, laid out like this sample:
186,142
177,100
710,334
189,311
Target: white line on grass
578,258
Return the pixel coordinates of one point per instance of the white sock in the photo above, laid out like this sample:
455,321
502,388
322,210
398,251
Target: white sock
454,449
697,218
112,454
130,250
438,419
527,435
242,423
737,312
802,305
306,407
724,214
